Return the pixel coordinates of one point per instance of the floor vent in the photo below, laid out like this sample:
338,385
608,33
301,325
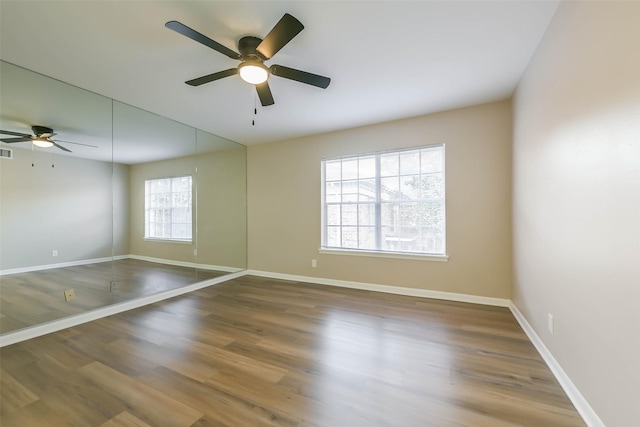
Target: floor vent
6,153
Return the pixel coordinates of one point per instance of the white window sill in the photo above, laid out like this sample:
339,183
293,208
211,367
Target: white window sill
183,242
381,254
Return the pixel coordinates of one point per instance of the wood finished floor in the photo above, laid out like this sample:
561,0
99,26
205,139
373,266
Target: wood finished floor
28,299
263,352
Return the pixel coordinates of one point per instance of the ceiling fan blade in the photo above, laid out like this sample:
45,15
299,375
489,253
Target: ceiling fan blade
76,143
12,140
286,29
300,76
201,38
61,147
211,77
264,93
8,132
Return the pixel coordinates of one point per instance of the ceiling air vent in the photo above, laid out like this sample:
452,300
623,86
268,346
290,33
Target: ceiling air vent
6,153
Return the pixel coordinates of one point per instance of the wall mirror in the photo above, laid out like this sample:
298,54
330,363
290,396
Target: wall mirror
141,204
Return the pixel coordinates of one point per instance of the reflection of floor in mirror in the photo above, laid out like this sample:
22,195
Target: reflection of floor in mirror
28,299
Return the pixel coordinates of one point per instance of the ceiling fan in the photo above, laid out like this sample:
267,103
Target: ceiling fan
41,137
253,52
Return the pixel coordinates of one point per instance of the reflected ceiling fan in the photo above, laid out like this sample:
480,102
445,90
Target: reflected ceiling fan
41,137
253,52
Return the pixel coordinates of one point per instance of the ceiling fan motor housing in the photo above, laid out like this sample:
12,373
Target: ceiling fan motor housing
42,131
247,46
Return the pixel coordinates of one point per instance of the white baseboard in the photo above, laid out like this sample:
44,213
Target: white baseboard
163,261
60,265
423,293
582,406
187,264
119,257
67,322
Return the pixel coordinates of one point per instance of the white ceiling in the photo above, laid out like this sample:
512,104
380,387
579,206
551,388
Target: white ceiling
387,59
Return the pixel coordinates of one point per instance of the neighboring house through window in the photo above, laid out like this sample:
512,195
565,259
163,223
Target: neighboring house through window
167,208
391,201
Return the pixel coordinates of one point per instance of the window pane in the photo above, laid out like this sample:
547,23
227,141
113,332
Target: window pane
333,192
178,200
333,215
389,214
390,188
333,236
431,213
186,184
332,170
409,214
349,237
350,191
410,162
431,160
367,167
410,187
432,186
178,230
349,168
389,239
367,190
349,215
367,214
430,240
367,238
389,164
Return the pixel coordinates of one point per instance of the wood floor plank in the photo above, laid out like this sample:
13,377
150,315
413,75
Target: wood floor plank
13,394
259,352
37,413
67,392
218,406
144,402
125,419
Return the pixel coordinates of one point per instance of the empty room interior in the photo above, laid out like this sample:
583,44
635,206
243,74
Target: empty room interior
319,213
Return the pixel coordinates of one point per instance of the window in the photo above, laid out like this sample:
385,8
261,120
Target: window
167,208
387,202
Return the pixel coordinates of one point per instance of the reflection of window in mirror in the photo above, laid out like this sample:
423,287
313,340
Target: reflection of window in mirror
167,208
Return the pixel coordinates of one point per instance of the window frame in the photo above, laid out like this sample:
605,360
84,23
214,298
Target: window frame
146,224
383,253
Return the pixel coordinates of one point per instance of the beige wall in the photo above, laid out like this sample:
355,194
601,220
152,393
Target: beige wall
69,208
177,251
222,208
221,236
121,209
284,203
576,204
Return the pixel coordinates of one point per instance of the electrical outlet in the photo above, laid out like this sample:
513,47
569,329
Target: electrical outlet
113,286
69,295
550,323
195,252
314,264
54,252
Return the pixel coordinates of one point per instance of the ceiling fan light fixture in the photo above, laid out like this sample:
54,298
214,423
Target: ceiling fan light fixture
42,142
253,72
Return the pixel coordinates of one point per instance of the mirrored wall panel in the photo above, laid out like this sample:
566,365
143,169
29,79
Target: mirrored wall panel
101,202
